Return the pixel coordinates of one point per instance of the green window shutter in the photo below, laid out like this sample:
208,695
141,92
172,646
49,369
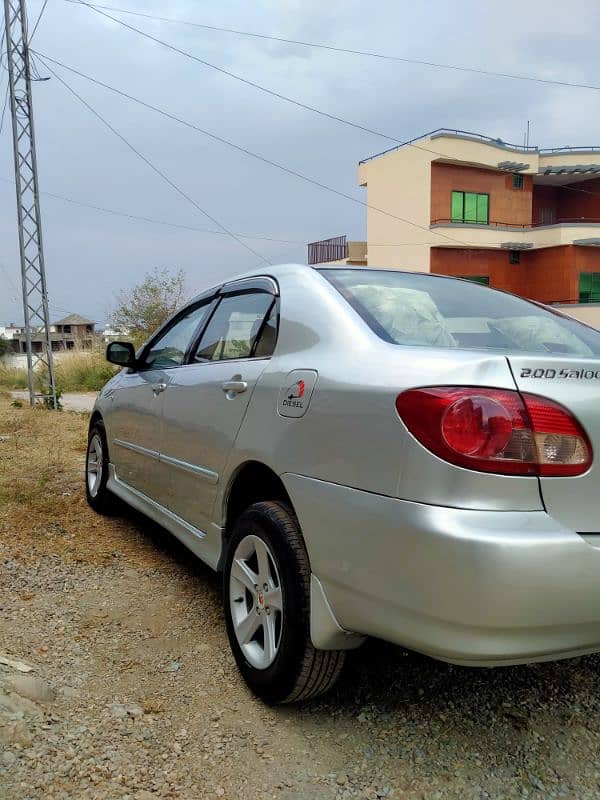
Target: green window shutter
456,213
482,209
589,287
585,287
483,279
470,207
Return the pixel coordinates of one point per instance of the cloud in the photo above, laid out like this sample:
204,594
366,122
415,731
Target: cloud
90,256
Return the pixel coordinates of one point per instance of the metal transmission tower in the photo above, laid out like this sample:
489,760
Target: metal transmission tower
40,366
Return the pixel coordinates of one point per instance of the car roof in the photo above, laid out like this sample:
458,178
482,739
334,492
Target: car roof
297,269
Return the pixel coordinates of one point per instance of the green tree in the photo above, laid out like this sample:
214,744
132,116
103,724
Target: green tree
3,346
143,308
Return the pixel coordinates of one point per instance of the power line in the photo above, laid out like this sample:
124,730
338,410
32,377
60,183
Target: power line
250,153
153,221
246,81
154,168
15,299
220,139
278,95
350,51
35,27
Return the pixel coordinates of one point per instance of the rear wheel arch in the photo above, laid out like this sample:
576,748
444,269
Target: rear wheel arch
261,608
252,482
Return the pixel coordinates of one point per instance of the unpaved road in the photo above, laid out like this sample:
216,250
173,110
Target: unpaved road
134,694
71,401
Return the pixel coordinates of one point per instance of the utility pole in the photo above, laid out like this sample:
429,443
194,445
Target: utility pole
40,367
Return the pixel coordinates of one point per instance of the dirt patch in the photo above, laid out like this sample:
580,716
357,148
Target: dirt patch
134,694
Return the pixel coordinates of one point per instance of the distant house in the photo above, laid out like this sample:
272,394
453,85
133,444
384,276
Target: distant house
111,334
73,332
10,331
74,324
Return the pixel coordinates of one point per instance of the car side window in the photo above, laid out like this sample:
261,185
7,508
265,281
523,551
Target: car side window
234,326
168,350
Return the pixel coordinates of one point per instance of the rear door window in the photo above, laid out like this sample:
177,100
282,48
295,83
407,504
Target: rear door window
235,327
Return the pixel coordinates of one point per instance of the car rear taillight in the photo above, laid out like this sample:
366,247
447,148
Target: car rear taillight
496,430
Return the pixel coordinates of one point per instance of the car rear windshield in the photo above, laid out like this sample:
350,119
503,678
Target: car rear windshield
419,309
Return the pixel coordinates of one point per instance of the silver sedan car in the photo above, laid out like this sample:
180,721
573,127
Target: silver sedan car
366,452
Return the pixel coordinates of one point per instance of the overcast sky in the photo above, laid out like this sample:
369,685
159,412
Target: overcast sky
91,255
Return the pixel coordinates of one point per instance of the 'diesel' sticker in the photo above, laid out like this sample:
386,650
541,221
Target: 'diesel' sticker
295,394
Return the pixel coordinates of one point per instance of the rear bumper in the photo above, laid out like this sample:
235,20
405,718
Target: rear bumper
470,587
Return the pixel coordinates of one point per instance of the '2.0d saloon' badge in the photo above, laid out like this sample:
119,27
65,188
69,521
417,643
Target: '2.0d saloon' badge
295,394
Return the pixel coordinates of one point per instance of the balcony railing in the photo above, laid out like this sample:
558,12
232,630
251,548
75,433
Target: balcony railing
480,137
519,227
594,148
334,249
438,132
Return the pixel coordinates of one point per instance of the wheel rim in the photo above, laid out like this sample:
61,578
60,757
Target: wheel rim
94,464
256,601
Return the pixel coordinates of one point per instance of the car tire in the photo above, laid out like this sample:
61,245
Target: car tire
266,590
96,471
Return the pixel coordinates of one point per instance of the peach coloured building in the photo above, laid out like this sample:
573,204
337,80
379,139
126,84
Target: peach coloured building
523,219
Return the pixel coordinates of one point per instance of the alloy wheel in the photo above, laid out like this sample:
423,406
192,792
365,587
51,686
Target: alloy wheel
94,464
256,601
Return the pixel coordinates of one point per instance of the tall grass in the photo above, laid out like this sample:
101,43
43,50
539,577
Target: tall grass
12,377
82,371
76,371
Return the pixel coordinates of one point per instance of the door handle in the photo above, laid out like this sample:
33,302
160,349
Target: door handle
234,387
157,388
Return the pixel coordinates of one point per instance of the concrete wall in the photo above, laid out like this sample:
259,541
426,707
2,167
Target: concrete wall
481,153
590,314
507,205
398,183
550,275
19,360
546,236
566,159
467,263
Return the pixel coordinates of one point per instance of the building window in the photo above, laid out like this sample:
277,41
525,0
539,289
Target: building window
514,257
518,180
483,279
470,207
589,287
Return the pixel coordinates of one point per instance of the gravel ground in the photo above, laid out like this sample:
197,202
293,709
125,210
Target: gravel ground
134,694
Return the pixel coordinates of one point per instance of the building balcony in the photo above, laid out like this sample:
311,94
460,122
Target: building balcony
497,233
337,250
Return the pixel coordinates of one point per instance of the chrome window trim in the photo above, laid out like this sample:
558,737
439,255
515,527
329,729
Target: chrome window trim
261,283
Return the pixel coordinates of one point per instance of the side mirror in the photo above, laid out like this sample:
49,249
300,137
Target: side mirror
121,353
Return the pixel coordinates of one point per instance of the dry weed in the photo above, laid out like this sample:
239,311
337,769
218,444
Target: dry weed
42,503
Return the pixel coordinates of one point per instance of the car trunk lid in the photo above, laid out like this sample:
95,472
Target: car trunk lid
575,384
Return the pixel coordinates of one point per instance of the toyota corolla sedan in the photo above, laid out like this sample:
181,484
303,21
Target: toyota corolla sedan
366,452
